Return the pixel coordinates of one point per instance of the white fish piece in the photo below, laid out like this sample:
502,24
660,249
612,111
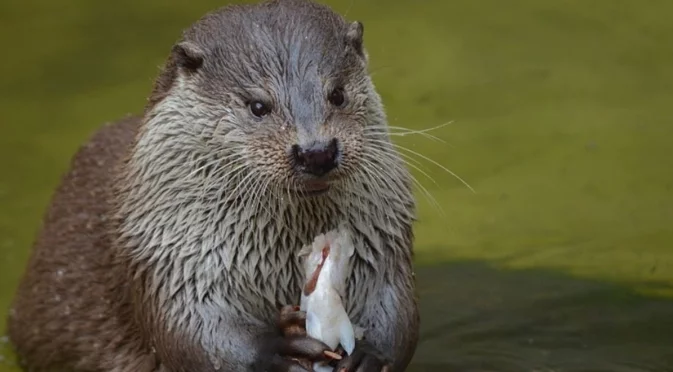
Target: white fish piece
327,267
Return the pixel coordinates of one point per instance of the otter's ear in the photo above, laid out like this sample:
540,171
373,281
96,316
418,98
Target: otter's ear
354,37
188,56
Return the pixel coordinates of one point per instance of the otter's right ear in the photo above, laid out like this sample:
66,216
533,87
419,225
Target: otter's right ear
188,56
354,37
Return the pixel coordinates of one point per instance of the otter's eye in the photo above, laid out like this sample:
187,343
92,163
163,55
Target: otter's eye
336,97
259,109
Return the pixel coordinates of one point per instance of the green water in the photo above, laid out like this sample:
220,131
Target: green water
563,258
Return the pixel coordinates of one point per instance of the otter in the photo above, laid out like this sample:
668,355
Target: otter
171,242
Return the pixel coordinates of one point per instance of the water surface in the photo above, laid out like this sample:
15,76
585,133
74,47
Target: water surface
563,258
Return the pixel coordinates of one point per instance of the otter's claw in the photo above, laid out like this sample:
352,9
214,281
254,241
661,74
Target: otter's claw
333,355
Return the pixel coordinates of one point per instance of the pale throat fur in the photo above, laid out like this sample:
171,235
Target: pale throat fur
210,216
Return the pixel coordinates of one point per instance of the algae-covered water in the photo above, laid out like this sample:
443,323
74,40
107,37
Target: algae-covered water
562,123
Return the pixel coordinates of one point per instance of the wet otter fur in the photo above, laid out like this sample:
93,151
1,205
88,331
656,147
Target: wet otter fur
171,243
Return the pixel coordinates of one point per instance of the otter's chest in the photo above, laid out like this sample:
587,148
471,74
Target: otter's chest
266,271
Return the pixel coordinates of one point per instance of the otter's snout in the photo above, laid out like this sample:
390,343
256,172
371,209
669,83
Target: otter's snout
317,159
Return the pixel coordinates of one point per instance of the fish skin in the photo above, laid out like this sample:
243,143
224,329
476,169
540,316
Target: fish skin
326,317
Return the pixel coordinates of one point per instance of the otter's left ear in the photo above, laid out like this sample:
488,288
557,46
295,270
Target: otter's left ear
354,37
188,56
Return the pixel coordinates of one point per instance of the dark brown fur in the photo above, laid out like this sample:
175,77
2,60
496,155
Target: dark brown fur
76,225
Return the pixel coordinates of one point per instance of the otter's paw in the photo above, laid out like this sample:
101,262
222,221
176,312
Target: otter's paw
291,349
365,358
291,354
291,321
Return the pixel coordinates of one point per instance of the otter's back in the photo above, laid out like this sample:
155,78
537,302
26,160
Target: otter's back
64,293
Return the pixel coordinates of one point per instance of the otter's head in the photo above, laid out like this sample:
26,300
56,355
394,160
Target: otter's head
263,130
275,96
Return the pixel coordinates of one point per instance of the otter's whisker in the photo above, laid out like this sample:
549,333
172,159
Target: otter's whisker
242,185
226,174
374,158
221,182
417,166
212,158
249,197
229,178
286,189
426,129
384,153
296,194
426,193
428,136
229,175
409,131
218,186
266,190
400,133
274,189
374,180
420,170
374,169
211,163
258,192
379,142
213,178
437,164
415,130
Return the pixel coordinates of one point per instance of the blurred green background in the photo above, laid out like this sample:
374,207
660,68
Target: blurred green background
561,110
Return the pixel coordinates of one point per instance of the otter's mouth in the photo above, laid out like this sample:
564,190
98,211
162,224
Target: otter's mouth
314,187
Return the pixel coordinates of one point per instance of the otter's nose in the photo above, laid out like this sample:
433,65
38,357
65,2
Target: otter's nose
317,159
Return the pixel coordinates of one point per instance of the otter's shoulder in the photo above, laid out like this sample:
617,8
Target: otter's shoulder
92,171
109,142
